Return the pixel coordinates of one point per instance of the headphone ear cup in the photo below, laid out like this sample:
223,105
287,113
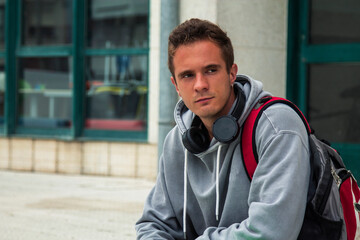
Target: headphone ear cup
225,129
196,140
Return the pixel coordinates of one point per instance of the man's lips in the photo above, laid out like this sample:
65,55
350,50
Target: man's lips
203,99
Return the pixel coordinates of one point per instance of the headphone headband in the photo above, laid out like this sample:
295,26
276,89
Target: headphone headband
240,103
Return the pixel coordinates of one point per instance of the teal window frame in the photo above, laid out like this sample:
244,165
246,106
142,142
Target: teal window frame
3,56
78,51
301,54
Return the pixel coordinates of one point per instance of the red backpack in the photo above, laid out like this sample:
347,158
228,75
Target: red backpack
333,209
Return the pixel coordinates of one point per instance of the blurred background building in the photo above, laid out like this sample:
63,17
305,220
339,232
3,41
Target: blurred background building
84,86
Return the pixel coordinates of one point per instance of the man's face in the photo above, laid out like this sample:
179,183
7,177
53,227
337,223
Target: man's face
201,79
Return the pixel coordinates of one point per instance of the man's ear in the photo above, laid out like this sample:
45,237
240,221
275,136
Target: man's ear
233,72
175,84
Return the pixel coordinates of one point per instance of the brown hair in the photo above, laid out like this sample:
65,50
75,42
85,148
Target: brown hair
194,30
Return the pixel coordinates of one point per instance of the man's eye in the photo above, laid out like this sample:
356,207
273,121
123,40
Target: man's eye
212,70
187,75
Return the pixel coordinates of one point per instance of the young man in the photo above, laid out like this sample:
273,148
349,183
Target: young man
202,190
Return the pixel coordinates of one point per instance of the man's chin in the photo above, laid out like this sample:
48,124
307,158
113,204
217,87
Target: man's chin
206,114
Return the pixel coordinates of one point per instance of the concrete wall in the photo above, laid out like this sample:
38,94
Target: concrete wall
198,9
154,71
258,30
92,158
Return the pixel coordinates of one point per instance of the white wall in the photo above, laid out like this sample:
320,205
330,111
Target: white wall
154,71
203,9
258,29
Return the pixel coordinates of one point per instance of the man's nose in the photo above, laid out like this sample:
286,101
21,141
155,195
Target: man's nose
201,83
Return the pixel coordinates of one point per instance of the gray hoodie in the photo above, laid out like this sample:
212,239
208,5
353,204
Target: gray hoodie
219,200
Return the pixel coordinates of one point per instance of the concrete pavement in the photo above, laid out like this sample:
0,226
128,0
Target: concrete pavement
36,206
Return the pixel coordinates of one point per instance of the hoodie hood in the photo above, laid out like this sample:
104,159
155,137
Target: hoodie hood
253,90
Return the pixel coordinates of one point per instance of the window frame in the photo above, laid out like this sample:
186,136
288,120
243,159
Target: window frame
3,56
78,51
301,53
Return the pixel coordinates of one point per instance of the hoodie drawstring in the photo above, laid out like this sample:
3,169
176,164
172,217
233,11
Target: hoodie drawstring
217,187
185,192
217,183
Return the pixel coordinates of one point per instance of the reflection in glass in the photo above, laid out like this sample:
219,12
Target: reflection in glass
44,92
334,21
2,24
336,106
47,22
118,24
2,90
117,92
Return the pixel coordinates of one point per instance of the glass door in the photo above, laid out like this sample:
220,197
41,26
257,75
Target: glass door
324,71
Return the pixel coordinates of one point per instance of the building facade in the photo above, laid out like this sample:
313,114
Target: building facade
84,86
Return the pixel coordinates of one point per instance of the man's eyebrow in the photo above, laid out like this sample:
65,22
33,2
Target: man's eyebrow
213,66
183,73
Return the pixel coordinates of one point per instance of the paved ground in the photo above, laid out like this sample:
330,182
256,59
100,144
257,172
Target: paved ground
36,206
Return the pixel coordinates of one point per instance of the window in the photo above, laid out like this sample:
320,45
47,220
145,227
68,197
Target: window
336,107
116,65
332,21
44,93
43,67
118,24
46,22
116,93
324,70
75,69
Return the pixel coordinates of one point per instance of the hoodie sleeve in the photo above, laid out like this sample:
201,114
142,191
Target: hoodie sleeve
278,192
158,220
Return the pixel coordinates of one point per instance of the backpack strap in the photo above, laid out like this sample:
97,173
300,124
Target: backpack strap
248,145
